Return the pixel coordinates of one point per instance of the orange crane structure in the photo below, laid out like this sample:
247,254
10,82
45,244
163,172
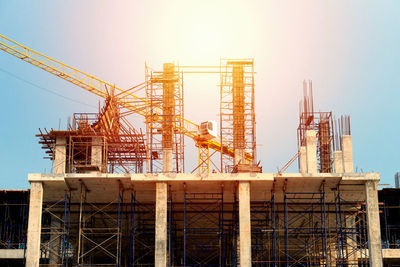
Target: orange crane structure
154,105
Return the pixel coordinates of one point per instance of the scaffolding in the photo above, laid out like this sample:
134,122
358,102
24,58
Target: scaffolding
203,229
237,115
389,214
305,229
264,235
55,245
351,229
103,142
164,91
13,218
141,233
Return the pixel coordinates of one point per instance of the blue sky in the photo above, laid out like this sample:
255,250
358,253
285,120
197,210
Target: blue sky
350,49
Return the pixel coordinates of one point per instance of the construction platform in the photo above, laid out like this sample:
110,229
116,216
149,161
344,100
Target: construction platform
216,219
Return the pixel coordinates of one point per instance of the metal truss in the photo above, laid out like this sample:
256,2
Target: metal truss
203,232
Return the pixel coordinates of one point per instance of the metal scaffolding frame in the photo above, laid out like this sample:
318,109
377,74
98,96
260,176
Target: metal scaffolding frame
55,245
141,233
203,233
14,206
99,231
157,84
264,235
237,110
305,229
351,230
389,214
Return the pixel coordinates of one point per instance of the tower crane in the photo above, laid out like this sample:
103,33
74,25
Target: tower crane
125,98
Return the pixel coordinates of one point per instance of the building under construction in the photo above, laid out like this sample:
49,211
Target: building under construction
121,196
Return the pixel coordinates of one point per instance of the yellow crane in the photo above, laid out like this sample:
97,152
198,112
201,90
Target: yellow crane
125,98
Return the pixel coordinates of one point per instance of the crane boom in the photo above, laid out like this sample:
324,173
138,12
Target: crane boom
99,87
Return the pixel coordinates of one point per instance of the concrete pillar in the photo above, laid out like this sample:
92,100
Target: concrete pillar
161,225
167,160
60,157
238,110
373,224
239,156
347,146
338,161
303,159
97,153
34,225
244,224
168,116
311,149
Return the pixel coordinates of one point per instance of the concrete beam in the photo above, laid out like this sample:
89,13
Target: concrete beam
303,160
60,157
338,161
244,224
347,146
311,148
373,224
161,225
12,254
34,225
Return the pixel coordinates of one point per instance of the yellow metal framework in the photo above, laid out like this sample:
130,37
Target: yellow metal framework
125,98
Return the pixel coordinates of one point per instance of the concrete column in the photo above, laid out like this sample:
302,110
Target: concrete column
303,159
347,146
34,225
244,224
60,157
338,161
168,116
161,225
373,224
167,160
97,152
239,156
311,148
